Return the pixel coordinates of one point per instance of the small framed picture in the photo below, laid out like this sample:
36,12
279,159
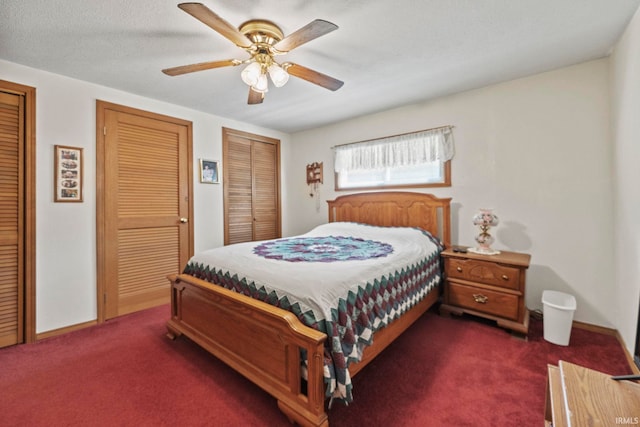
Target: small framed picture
68,174
209,171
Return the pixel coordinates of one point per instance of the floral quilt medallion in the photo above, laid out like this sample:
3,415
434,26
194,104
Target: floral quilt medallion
322,249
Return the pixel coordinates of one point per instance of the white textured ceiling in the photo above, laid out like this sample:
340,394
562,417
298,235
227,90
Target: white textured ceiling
388,53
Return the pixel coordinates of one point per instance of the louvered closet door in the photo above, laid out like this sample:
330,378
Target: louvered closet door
11,218
265,191
147,237
251,187
238,190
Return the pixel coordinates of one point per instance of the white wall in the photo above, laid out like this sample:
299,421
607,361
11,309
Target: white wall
625,107
66,232
537,150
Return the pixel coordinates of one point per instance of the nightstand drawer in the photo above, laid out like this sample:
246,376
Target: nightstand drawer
483,300
485,272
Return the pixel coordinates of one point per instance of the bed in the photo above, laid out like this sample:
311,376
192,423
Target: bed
281,354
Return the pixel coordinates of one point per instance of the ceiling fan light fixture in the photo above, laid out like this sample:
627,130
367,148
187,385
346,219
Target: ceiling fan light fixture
251,74
262,40
278,75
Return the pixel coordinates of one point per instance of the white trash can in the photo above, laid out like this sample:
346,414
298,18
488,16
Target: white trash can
557,314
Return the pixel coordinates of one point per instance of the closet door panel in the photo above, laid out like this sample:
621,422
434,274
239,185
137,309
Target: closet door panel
238,191
11,219
265,192
251,165
147,235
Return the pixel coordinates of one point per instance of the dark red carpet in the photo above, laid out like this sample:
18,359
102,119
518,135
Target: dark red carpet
441,372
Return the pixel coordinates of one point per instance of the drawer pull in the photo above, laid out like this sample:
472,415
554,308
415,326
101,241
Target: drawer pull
459,269
480,299
505,277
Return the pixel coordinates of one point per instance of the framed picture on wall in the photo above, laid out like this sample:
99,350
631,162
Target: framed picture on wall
68,174
209,171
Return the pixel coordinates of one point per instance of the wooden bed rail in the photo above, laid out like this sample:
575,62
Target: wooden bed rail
258,340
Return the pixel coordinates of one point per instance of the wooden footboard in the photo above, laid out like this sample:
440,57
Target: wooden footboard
260,341
263,342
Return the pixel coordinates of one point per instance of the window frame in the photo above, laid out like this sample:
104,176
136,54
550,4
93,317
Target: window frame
445,183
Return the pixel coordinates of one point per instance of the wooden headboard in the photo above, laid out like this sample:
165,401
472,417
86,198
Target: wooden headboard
395,209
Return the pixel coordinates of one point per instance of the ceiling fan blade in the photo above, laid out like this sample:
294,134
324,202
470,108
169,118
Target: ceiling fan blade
255,97
206,16
313,76
184,69
309,32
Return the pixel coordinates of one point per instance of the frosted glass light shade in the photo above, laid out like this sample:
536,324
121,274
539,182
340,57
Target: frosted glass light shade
251,74
485,217
262,85
278,75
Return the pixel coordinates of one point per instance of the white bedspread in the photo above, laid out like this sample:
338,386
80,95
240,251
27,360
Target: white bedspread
317,286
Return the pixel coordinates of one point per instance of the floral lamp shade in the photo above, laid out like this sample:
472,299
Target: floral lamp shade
485,219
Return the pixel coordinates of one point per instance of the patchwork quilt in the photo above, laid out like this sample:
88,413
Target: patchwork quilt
344,279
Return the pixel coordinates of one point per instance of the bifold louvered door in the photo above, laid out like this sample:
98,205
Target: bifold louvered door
146,201
251,169
11,218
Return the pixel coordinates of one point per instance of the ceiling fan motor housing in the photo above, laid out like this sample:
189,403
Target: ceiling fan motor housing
261,31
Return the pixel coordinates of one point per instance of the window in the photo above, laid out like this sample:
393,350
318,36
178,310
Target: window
418,159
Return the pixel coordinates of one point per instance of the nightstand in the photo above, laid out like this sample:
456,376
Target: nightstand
489,286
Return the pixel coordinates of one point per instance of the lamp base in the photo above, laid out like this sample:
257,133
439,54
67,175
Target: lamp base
483,251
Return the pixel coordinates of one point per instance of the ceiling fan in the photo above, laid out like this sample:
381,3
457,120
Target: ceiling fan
263,40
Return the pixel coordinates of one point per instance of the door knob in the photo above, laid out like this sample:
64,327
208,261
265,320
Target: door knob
184,220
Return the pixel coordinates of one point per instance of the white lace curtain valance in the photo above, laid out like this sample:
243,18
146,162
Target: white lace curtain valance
396,151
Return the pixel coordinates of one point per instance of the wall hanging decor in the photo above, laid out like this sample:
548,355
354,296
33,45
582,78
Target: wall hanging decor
68,174
314,179
209,171
314,173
